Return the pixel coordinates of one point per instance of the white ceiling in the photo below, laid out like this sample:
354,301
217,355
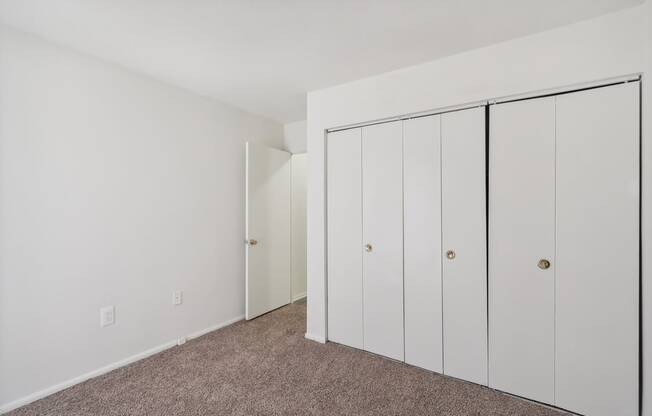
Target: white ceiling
264,55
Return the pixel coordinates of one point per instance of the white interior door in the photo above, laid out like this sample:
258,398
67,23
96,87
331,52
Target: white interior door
521,233
422,254
344,210
597,263
382,225
268,191
464,244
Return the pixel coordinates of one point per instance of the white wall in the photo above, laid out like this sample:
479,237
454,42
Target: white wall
299,238
114,190
646,151
294,140
608,46
294,137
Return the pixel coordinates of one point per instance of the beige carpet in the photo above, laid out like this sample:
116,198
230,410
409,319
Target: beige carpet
267,367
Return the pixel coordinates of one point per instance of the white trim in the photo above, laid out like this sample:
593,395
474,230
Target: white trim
205,331
292,277
7,407
321,340
298,296
568,88
409,116
495,100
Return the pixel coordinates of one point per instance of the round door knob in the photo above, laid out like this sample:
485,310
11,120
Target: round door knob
450,254
544,264
252,242
368,248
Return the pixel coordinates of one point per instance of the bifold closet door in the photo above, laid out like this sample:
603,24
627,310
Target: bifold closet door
521,234
445,211
464,244
564,244
422,222
344,211
597,260
382,228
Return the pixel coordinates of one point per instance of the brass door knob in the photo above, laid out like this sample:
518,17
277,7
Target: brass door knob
450,254
368,248
251,242
544,264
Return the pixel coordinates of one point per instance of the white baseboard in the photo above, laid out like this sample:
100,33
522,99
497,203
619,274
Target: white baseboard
7,407
298,296
316,338
215,327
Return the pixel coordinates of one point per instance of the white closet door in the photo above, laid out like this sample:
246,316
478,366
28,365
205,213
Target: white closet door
521,233
464,234
344,200
382,217
422,257
598,251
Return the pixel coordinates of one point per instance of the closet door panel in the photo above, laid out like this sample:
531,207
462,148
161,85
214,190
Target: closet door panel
382,217
422,222
521,233
464,233
344,208
598,250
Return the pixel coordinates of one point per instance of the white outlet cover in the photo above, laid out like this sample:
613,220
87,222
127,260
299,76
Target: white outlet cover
107,316
177,297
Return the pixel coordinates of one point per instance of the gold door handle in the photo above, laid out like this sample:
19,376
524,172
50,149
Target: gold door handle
251,242
368,248
544,264
450,254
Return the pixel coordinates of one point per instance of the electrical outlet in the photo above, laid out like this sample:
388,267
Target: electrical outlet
107,316
177,297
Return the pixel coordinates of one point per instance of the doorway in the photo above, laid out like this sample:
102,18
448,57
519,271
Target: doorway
275,272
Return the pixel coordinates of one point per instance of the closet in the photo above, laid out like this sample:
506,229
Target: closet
507,257
407,241
382,235
564,249
445,244
365,241
344,210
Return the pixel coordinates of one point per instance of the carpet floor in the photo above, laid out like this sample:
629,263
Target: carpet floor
267,367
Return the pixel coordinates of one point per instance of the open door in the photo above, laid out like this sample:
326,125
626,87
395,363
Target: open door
268,215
